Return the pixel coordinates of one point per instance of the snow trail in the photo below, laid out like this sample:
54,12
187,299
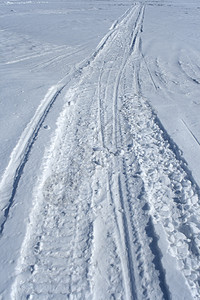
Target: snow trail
19,156
111,184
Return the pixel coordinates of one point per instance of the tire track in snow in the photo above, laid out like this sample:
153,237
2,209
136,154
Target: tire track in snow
100,108
152,232
172,198
124,229
136,29
130,279
30,285
63,232
162,172
93,229
124,247
132,212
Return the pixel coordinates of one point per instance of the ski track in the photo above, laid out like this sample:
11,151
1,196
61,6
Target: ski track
110,178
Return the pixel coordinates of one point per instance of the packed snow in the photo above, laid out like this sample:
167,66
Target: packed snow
100,149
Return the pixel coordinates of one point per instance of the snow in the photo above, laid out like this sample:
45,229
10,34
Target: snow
171,50
99,132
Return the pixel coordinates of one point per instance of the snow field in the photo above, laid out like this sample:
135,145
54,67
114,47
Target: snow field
115,212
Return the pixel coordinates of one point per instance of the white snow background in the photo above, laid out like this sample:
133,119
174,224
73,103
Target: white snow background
99,149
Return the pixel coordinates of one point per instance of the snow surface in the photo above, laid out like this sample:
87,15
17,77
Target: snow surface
99,187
